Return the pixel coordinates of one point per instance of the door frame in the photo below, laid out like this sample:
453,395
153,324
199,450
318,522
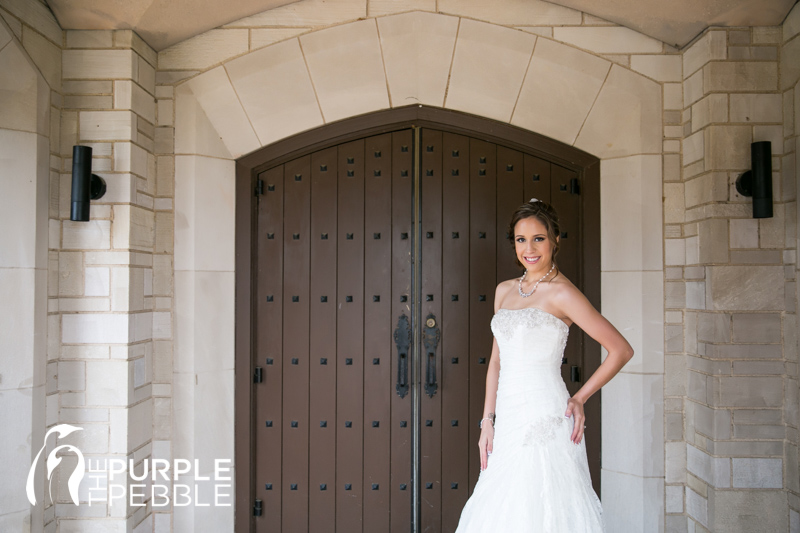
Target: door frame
249,166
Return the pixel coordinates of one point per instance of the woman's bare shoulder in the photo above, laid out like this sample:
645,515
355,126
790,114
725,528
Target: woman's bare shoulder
503,288
507,285
565,295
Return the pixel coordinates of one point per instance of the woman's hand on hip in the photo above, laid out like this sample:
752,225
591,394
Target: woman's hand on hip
575,409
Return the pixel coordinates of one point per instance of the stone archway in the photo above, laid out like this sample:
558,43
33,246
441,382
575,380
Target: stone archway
495,72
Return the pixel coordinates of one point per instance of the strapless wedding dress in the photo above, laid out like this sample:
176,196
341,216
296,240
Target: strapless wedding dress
536,480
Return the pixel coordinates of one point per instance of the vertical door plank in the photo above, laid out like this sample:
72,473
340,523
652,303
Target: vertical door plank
568,208
431,304
377,330
350,340
455,327
268,395
510,172
482,276
402,209
322,362
536,179
296,246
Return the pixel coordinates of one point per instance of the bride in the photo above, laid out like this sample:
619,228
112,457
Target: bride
534,474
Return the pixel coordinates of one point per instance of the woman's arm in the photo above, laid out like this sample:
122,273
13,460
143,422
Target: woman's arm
487,427
490,399
577,307
492,377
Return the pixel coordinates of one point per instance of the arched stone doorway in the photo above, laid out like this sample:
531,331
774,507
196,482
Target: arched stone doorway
301,351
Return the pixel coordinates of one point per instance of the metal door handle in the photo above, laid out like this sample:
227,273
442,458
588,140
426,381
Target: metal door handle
402,338
575,374
430,336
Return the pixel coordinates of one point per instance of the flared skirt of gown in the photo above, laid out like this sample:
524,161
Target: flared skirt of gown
536,480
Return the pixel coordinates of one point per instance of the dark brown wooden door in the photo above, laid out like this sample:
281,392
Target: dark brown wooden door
362,247
469,189
333,447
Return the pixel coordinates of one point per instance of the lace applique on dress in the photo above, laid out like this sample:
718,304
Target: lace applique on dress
529,317
542,430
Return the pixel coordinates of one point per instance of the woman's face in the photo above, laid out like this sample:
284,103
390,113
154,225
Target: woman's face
533,247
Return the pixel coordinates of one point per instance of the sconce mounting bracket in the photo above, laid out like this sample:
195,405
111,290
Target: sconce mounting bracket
744,184
97,187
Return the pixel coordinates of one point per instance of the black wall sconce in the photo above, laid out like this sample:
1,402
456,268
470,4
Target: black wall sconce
85,185
758,181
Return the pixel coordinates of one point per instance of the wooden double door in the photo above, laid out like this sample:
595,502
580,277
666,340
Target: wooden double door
377,262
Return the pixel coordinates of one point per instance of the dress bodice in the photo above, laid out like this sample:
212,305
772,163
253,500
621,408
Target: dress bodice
530,385
530,337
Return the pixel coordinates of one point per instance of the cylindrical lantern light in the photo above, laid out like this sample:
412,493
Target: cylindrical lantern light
758,181
761,154
81,182
85,185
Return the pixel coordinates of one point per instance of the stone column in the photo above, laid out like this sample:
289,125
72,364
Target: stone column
790,176
734,282
30,79
203,376
163,283
106,303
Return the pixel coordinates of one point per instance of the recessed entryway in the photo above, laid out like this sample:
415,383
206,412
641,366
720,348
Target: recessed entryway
375,253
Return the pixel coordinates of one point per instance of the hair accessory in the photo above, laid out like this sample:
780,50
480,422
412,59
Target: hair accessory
532,200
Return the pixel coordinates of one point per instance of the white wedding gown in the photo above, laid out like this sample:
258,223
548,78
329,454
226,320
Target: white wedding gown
536,479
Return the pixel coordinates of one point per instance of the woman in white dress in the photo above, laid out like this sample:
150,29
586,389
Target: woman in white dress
534,474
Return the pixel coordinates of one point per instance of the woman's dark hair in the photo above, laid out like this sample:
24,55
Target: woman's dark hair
547,216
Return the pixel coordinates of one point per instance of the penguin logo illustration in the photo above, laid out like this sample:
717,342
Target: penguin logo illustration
53,461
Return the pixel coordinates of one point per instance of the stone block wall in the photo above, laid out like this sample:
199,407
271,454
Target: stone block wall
81,332
731,346
114,310
790,175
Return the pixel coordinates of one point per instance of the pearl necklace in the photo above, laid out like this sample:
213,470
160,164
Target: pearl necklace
525,295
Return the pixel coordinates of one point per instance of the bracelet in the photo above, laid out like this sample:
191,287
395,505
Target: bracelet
480,424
